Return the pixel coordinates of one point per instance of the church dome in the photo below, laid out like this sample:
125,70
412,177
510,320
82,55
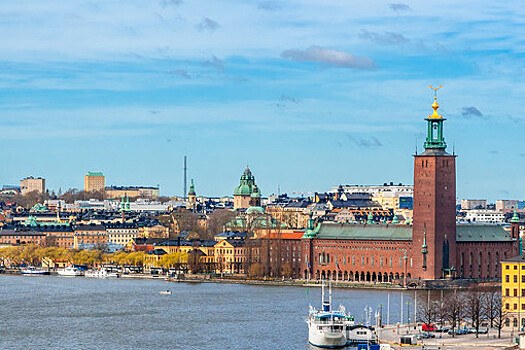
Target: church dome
242,190
255,210
247,184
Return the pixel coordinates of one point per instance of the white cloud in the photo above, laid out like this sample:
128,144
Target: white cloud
329,57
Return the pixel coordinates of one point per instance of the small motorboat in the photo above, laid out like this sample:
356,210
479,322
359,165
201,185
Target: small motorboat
102,273
165,292
30,270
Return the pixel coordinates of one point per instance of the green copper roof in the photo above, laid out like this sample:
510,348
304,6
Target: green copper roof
481,233
435,138
515,217
247,185
94,174
364,232
258,210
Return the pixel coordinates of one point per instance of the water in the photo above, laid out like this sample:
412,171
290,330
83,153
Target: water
51,312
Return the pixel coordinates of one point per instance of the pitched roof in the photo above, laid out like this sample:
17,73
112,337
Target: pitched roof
482,233
365,232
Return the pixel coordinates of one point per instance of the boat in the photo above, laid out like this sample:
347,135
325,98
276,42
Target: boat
70,271
30,270
327,327
101,273
165,292
333,329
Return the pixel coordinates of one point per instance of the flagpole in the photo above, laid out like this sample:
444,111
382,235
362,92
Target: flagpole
388,310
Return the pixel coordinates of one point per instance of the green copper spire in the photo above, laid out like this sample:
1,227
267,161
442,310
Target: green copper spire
515,217
370,218
192,189
435,138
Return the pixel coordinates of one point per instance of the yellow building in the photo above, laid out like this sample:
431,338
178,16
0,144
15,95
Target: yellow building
513,291
94,182
131,192
30,184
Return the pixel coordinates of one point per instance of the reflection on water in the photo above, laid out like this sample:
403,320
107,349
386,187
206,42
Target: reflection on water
49,312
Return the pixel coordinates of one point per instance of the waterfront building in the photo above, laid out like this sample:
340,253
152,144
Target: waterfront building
30,184
89,234
247,194
432,248
94,182
16,237
121,233
513,287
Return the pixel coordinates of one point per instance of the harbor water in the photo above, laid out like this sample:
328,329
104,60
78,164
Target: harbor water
52,312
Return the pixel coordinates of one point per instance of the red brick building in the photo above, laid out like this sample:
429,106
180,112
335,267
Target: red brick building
433,248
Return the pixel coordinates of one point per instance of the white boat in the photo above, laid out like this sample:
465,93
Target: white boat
327,327
165,292
30,270
332,329
70,271
101,273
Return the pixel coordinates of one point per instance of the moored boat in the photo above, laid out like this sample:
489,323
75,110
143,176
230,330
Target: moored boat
327,327
30,270
101,273
70,271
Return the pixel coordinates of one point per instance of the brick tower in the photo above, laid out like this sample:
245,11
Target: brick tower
434,222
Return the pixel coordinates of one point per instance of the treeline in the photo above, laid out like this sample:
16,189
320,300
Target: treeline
30,199
476,305
31,254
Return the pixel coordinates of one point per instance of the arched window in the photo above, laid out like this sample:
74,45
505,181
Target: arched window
515,322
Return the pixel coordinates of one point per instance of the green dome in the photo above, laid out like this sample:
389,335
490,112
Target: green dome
247,186
242,190
255,210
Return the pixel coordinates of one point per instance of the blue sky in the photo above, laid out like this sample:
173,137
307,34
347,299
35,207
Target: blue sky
310,94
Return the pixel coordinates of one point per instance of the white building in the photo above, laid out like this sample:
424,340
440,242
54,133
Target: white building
484,216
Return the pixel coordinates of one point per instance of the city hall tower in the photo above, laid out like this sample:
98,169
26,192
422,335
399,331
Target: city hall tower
434,222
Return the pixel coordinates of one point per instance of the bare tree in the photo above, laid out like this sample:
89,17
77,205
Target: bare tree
474,307
490,302
453,309
217,220
500,316
428,310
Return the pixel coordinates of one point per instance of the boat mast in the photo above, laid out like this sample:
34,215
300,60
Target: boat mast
330,295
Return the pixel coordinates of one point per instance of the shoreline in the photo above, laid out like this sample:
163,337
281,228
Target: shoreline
269,282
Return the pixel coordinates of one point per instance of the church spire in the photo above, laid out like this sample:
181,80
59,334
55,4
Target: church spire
435,139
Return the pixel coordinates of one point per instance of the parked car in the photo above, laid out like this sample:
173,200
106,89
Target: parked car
428,327
458,331
425,335
441,330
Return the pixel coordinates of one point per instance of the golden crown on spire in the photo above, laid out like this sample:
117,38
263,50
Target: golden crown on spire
435,105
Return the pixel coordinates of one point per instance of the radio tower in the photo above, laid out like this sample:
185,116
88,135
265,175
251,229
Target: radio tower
185,179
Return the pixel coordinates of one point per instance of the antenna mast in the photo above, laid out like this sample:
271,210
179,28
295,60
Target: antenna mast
185,179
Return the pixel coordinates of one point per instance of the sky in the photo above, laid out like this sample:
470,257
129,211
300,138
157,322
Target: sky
309,94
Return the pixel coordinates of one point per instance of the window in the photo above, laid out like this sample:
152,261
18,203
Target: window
507,306
515,267
515,292
515,306
506,267
507,278
507,292
515,279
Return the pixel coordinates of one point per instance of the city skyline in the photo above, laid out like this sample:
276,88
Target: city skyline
309,95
